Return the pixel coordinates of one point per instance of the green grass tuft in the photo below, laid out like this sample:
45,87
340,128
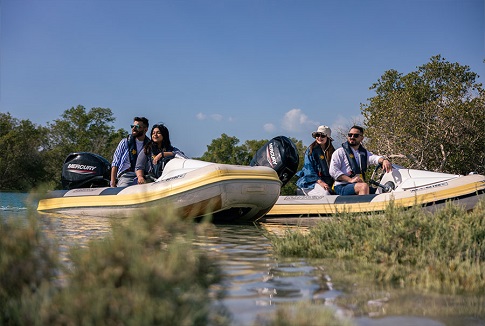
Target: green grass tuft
443,251
303,313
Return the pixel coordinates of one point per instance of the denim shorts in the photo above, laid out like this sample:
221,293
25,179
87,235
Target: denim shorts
345,189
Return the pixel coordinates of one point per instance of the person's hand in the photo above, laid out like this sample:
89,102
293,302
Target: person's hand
386,165
157,158
324,185
141,180
356,179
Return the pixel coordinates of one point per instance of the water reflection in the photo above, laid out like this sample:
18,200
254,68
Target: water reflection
256,281
75,230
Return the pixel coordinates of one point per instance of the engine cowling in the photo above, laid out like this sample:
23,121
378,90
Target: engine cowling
85,170
281,154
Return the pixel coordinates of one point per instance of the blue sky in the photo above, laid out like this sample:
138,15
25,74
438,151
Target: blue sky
253,69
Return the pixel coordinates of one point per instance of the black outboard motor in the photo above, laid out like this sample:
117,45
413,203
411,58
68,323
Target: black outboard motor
85,170
279,153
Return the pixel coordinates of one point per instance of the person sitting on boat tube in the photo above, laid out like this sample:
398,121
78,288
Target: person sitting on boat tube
156,153
125,155
349,164
315,179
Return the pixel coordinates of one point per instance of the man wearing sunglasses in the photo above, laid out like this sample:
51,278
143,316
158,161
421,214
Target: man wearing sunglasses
349,164
124,158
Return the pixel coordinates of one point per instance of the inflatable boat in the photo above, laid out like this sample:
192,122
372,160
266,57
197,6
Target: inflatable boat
404,187
226,193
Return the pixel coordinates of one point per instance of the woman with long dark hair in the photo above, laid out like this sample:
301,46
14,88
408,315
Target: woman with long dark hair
156,153
315,179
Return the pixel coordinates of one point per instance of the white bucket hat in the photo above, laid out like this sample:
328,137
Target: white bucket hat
324,130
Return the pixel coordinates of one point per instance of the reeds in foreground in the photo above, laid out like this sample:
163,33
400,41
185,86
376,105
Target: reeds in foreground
443,251
147,272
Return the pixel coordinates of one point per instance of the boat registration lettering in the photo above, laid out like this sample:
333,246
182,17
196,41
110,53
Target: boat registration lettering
442,184
85,190
180,176
303,197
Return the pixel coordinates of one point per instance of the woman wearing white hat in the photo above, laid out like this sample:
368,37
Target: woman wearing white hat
315,179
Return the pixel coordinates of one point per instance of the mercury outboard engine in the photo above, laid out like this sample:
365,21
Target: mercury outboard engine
85,170
279,153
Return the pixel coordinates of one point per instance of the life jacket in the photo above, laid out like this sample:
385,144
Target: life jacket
132,152
356,169
322,168
156,170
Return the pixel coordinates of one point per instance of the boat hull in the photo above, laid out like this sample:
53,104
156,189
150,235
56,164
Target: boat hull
463,190
227,193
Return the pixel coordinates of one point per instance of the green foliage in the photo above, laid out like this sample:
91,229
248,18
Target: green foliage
33,154
429,119
27,262
304,313
81,130
146,273
225,150
415,248
22,162
250,147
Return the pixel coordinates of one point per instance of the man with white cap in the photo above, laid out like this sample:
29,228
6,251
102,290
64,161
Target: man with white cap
315,179
349,164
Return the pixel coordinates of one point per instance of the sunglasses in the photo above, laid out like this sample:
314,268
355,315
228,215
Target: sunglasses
318,134
136,126
354,135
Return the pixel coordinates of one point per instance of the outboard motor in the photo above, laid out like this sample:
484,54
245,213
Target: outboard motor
279,153
85,170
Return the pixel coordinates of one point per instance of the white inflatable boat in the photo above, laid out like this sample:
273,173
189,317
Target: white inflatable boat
404,187
195,188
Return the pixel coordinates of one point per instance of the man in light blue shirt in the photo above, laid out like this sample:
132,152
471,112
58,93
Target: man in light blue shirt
125,155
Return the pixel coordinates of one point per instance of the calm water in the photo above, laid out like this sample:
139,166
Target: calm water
257,281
